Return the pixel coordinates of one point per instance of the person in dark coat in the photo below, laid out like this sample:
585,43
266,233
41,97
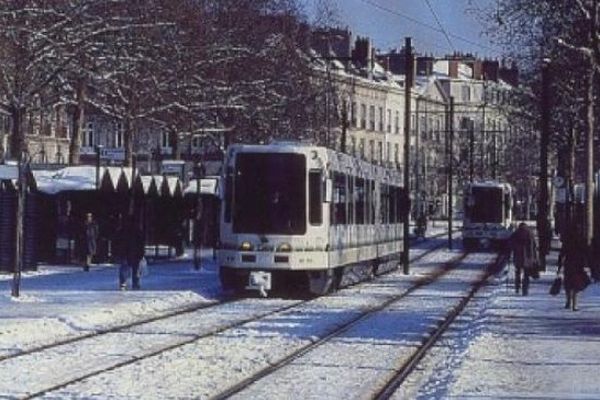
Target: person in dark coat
129,251
91,240
525,255
572,260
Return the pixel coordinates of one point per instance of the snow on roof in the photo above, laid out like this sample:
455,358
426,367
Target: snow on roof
70,178
9,172
127,173
114,173
146,182
172,184
207,186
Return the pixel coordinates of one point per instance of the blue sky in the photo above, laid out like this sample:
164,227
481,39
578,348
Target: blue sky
380,20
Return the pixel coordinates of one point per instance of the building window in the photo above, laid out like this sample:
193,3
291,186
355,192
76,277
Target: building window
363,116
397,153
466,93
380,151
196,142
372,118
118,134
388,149
397,122
89,135
353,145
389,121
164,142
362,148
371,150
380,119
353,114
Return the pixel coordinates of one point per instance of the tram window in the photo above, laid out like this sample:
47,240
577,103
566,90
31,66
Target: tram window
373,203
339,199
485,206
351,199
315,200
228,194
403,204
384,208
392,204
360,201
270,194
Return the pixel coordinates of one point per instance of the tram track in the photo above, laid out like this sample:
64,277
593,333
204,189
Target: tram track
341,329
127,328
191,308
413,361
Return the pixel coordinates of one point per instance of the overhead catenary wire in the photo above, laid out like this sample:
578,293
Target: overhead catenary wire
426,25
440,24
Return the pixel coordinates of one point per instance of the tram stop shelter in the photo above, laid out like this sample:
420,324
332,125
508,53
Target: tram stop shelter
207,211
8,219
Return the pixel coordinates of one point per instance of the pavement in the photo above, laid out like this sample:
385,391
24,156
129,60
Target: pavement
531,347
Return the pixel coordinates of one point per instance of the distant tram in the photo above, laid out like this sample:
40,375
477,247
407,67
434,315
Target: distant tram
305,216
487,219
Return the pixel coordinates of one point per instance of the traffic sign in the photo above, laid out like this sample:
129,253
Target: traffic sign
112,153
558,181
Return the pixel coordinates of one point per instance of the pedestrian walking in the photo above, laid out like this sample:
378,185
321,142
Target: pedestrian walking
91,240
572,260
525,256
129,251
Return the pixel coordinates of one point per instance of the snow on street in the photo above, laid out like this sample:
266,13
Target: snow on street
503,345
507,346
355,364
210,365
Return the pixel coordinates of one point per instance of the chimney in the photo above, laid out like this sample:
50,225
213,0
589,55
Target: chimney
510,75
477,68
362,51
490,70
425,65
453,68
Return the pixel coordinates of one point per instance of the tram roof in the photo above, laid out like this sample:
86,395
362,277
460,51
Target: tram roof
489,184
336,159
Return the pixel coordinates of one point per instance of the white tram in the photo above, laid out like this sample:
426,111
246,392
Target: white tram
487,218
305,216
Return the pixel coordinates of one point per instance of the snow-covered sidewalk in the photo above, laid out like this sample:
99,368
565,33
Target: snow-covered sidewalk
508,346
60,302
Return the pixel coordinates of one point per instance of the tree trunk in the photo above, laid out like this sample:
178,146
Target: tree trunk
174,143
589,175
17,139
128,138
78,124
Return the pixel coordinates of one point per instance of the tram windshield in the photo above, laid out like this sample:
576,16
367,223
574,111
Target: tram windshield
485,205
270,193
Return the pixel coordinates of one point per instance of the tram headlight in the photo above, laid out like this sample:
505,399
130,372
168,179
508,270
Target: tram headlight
284,248
246,246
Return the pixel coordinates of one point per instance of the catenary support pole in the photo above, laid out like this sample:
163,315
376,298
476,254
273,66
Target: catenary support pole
450,171
589,139
542,217
18,255
408,70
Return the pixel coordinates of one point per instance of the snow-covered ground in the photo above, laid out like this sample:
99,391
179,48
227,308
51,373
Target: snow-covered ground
504,345
210,365
507,346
